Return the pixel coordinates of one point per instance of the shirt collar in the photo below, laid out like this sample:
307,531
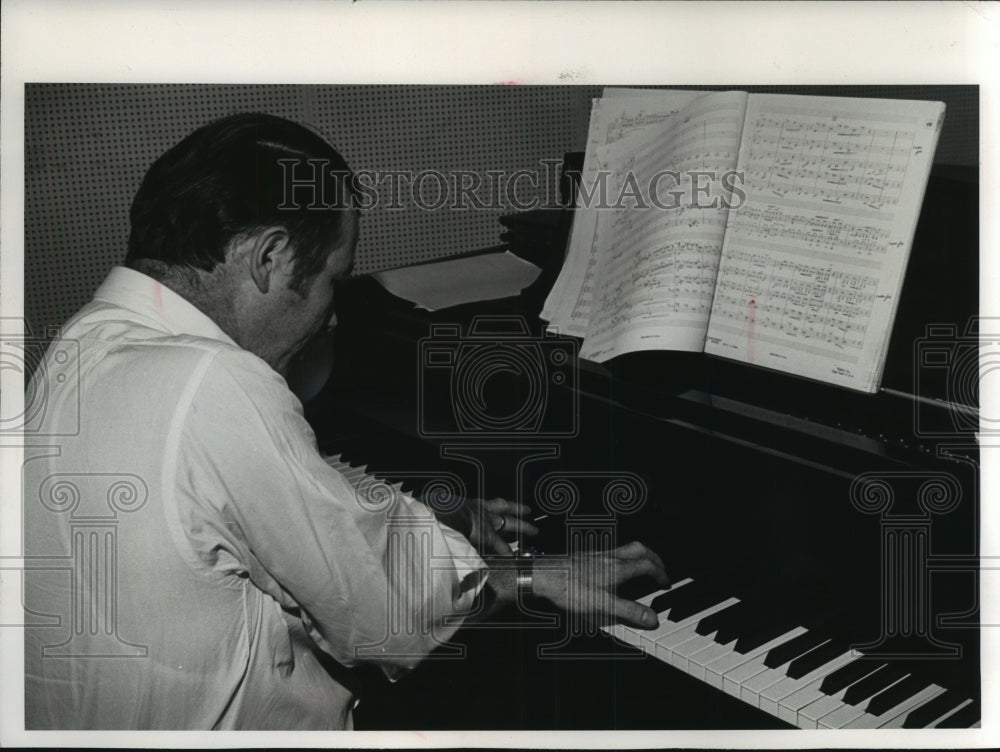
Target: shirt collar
144,295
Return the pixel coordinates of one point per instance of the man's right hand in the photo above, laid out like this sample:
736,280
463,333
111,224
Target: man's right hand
585,584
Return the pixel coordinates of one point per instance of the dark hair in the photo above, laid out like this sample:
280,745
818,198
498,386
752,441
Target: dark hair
230,177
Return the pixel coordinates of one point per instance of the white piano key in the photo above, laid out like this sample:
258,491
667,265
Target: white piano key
717,669
869,721
754,677
900,719
352,474
646,638
811,703
844,715
949,714
778,693
618,630
647,600
698,661
682,653
809,716
684,630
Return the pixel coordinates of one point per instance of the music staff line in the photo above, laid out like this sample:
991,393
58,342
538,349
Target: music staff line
819,229
813,206
738,242
798,346
839,117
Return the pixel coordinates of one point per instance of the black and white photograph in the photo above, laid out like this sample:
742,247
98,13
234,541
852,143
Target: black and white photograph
496,408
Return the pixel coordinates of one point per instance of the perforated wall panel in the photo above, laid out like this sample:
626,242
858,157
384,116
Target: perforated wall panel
87,147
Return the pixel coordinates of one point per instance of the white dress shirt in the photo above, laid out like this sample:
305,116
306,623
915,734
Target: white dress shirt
189,549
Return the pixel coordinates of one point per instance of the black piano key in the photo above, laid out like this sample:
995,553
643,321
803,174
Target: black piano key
760,633
891,697
964,718
871,685
677,596
695,601
816,658
930,711
785,652
725,621
846,675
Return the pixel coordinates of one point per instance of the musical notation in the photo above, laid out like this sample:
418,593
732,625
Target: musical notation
802,302
639,135
658,267
821,231
801,273
826,157
814,259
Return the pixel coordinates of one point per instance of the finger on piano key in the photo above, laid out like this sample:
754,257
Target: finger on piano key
641,638
664,645
628,634
674,598
931,712
870,720
694,600
777,697
717,669
667,627
967,716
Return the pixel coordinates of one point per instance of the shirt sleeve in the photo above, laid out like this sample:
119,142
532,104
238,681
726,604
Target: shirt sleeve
373,574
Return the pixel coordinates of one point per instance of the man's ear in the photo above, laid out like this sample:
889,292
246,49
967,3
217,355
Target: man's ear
269,252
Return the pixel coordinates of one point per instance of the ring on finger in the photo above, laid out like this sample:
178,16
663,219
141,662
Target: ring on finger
503,523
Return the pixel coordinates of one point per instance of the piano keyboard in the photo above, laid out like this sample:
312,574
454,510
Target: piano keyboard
799,676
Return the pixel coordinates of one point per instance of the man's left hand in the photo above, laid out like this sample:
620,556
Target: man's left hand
496,521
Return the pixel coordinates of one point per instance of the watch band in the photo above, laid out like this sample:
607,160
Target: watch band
524,578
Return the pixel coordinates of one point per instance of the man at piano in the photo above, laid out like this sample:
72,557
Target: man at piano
204,562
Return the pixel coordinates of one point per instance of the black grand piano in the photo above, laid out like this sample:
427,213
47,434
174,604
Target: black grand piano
823,544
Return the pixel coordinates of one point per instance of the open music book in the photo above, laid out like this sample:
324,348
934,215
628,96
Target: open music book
771,229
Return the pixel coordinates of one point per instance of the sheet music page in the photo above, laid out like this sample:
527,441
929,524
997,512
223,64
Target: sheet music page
567,307
814,259
656,258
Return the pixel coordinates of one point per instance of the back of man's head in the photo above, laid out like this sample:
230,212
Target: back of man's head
234,176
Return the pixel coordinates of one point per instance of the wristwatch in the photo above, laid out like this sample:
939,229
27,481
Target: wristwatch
524,578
